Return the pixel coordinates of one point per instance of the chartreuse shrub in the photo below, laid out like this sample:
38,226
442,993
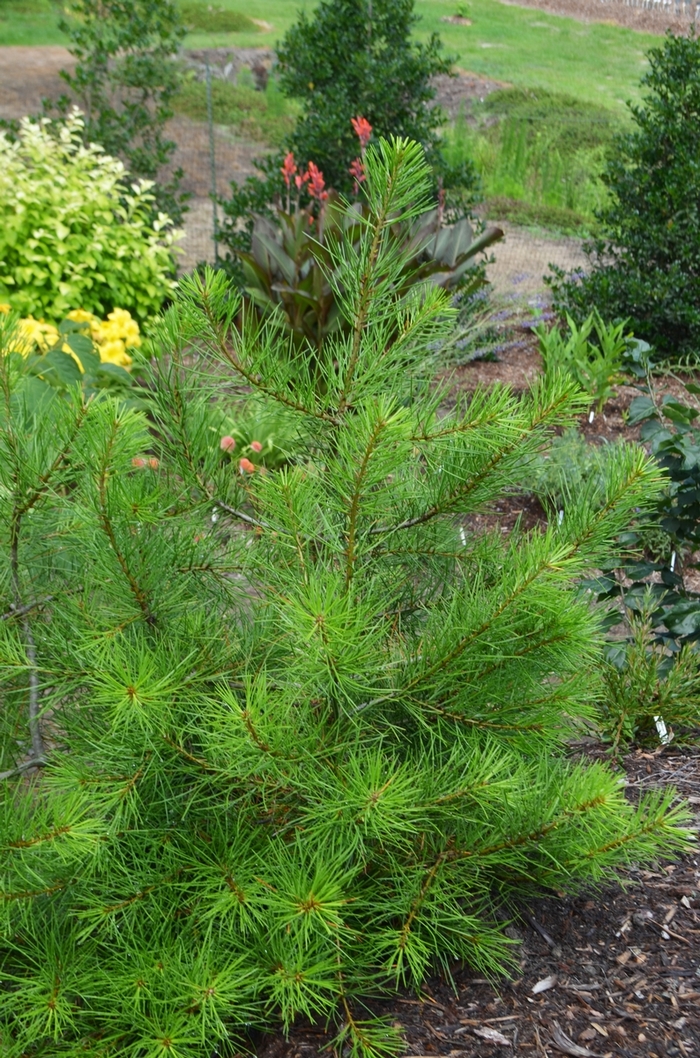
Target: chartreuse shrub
308,751
73,232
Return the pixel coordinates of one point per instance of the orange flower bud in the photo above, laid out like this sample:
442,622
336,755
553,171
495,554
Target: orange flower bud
227,443
256,446
246,466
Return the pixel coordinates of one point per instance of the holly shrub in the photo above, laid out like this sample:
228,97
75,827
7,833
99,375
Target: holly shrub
74,232
645,266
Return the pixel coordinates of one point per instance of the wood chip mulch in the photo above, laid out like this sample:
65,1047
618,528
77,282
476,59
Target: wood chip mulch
609,973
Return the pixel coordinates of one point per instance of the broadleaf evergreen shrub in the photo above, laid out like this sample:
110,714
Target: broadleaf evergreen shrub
312,749
73,232
658,586
351,57
645,265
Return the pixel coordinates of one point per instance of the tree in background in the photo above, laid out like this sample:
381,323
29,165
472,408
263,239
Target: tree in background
124,80
646,262
355,57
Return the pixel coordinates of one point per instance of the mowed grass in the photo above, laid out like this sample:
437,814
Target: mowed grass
30,22
520,46
516,45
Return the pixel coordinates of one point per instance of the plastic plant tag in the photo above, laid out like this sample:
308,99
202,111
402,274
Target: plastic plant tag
664,737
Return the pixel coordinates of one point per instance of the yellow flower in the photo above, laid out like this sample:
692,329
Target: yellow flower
4,307
82,316
114,352
122,325
35,334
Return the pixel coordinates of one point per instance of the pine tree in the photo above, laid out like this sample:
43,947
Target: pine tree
277,741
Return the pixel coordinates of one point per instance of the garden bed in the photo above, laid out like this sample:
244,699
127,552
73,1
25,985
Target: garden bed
623,964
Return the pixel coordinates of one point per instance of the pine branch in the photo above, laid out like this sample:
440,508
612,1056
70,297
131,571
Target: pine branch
460,493
355,500
138,593
37,740
420,899
240,515
365,297
26,765
26,609
229,354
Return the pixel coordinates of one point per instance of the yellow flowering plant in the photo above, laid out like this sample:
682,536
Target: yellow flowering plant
96,352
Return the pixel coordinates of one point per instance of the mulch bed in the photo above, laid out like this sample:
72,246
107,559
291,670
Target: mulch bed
609,973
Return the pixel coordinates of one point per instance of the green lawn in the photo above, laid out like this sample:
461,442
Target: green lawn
521,46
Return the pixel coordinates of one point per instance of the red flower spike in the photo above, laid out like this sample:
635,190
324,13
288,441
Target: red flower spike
300,180
227,443
317,183
288,169
363,130
246,466
357,170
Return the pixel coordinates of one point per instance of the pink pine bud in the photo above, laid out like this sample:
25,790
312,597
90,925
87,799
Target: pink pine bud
256,446
153,463
363,130
138,461
246,466
227,443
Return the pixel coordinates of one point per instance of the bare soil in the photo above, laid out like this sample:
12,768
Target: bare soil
656,19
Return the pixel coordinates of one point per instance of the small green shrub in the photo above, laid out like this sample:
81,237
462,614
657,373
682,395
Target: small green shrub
595,365
567,468
73,233
266,116
211,18
124,79
645,265
648,694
